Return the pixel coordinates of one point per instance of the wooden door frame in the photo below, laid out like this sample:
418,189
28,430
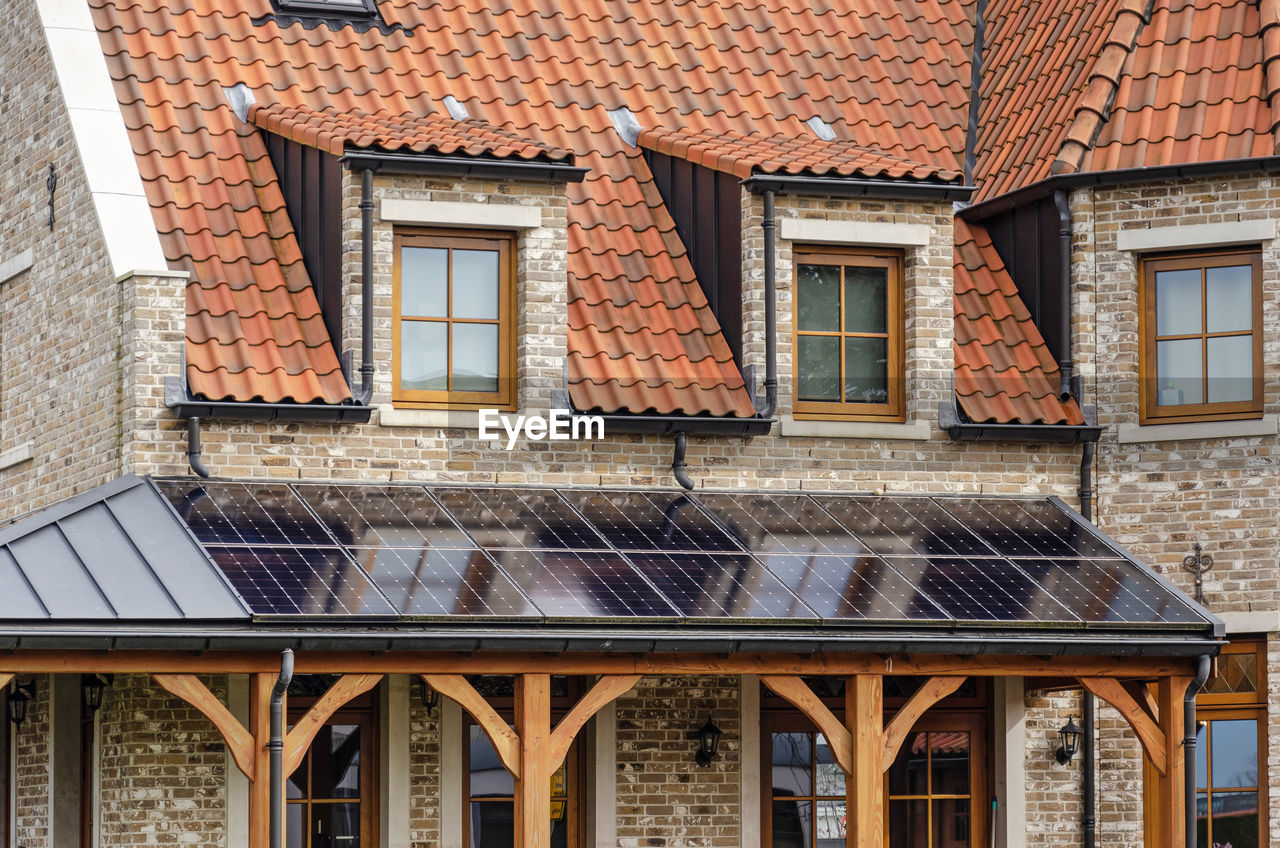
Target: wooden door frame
363,711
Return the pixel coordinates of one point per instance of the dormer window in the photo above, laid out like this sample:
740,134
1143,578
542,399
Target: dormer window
454,331
328,8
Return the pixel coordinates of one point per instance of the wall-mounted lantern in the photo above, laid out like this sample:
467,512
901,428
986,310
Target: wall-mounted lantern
708,743
1070,735
19,698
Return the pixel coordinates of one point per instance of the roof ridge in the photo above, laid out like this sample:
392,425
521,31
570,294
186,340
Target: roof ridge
1093,109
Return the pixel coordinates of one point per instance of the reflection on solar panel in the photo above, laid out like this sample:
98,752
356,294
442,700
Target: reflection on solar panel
493,553
650,521
853,587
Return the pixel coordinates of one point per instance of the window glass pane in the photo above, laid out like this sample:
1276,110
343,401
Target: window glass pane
866,370
492,824
1202,755
294,831
1235,752
335,762
909,824
475,357
1228,298
488,778
1178,370
829,777
818,298
1178,302
950,822
1235,820
424,281
475,284
865,300
950,762
909,774
1202,820
831,824
337,826
792,824
422,356
295,785
1236,673
819,368
1230,369
791,764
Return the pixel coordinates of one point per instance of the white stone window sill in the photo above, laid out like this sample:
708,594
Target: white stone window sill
17,455
1267,425
1254,621
429,419
912,430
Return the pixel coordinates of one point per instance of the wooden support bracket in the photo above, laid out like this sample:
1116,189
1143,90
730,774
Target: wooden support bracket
298,740
607,689
1144,725
895,732
239,740
504,739
798,693
5,678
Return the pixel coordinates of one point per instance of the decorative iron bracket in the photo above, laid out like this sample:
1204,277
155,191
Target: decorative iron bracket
1198,564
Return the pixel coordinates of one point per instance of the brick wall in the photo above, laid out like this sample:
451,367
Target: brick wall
664,799
31,770
59,375
424,774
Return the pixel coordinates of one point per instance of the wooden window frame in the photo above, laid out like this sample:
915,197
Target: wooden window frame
364,712
895,302
505,243
1150,412
1227,706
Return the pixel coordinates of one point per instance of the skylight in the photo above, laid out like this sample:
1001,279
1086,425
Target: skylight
337,8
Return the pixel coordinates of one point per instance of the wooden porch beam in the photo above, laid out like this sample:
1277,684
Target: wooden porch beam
1148,731
238,739
298,740
895,732
800,696
505,740
865,784
605,691
412,662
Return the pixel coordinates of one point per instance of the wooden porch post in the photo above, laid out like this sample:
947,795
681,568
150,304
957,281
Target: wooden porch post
864,785
533,784
1165,806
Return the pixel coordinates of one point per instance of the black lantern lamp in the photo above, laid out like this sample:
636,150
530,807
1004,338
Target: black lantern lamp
1070,735
430,697
18,700
91,688
708,743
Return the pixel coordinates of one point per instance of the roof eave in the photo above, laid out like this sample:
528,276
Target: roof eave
463,166
845,187
959,430
178,397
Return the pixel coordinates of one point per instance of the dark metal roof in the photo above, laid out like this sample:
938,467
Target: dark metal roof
384,567
118,552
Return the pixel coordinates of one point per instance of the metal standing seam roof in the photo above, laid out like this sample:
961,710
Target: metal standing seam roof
471,562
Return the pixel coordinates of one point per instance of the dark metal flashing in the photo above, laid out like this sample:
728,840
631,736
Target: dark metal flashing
464,166
694,425
178,398
845,187
1120,176
959,430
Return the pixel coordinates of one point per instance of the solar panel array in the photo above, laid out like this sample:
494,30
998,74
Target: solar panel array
441,552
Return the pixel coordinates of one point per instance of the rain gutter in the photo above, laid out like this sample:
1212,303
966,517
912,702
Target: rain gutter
464,166
964,431
179,399
844,187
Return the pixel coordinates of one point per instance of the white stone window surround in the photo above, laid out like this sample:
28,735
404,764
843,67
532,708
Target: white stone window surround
15,265
436,213
854,234
1187,238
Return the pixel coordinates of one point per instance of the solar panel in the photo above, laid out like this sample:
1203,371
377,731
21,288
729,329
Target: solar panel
781,523
981,589
1108,590
1027,528
860,587
651,521
581,584
733,586
386,516
434,582
902,526
518,518
299,581
246,514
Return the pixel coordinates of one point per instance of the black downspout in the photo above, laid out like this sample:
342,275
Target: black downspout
275,748
1189,745
1088,817
677,461
1062,200
193,448
770,316
366,286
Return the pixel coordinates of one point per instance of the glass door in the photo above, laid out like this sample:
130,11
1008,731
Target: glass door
329,799
938,787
